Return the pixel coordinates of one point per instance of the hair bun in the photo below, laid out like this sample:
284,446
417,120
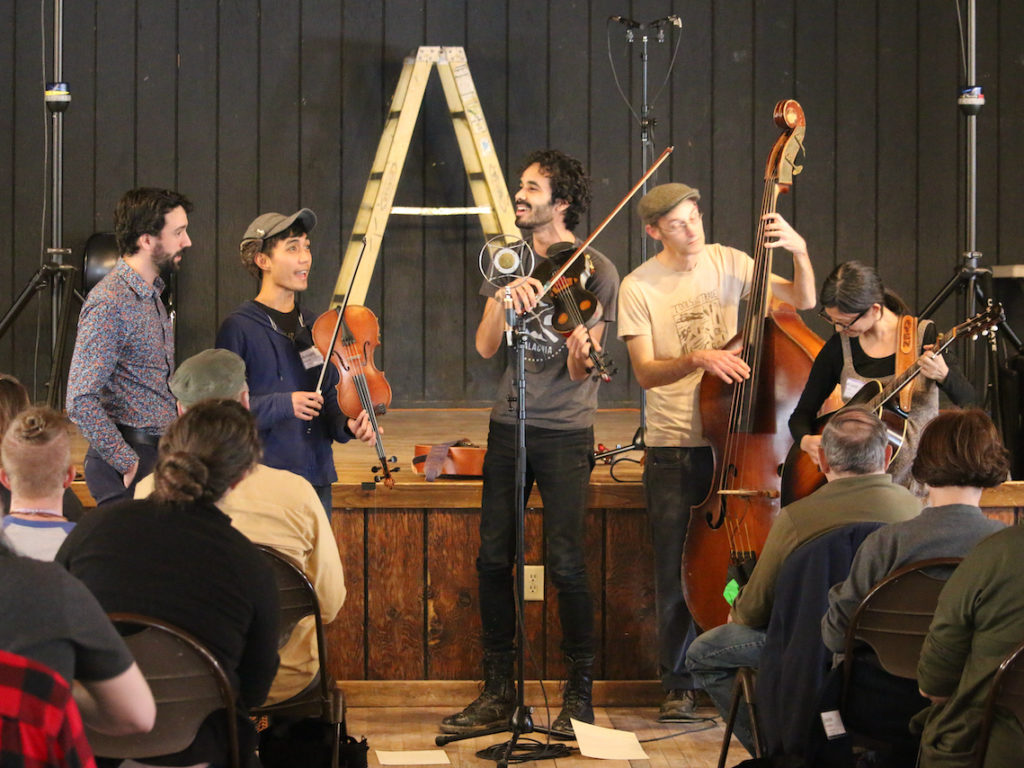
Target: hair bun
180,476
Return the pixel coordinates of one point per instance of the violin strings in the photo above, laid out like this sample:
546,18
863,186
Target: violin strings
355,361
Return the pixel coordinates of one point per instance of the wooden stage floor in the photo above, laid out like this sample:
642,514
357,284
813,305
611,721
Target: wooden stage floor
679,745
405,428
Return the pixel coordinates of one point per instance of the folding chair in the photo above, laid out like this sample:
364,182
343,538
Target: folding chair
188,684
322,698
893,618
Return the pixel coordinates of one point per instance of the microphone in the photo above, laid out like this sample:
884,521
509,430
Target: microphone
510,315
627,23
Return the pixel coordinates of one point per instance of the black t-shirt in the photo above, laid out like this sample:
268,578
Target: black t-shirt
286,322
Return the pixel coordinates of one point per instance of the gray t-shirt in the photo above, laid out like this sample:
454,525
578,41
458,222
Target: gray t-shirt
553,399
50,617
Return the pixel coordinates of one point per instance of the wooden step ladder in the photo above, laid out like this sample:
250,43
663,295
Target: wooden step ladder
486,181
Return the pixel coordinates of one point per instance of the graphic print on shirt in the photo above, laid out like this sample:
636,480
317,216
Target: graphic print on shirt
700,322
543,342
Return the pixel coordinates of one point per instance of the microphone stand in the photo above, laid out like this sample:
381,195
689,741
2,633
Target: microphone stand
646,158
521,720
975,280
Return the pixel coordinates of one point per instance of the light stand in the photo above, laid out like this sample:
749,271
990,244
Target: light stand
634,30
53,275
976,281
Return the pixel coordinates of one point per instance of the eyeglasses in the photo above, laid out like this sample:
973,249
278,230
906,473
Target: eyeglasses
676,226
842,326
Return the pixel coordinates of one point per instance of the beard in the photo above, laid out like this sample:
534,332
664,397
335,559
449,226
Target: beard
164,261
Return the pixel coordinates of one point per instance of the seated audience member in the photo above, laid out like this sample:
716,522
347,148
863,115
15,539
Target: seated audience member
36,469
272,507
853,455
50,617
978,621
13,400
959,454
176,557
38,717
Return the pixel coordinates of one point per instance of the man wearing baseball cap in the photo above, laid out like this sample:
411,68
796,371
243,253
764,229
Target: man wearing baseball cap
272,507
273,335
677,312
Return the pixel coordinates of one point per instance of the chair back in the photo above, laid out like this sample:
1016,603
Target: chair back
298,599
1007,693
893,618
188,684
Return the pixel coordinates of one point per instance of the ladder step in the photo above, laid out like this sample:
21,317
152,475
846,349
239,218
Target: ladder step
406,210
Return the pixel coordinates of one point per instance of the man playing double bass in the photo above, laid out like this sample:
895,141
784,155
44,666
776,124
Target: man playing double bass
677,312
561,399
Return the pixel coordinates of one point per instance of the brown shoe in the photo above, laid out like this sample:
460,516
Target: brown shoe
680,706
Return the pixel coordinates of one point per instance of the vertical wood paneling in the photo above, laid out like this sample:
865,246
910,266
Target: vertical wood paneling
814,191
347,634
856,153
938,142
897,163
445,237
205,266
237,123
155,98
319,109
1005,129
258,104
396,594
631,627
453,607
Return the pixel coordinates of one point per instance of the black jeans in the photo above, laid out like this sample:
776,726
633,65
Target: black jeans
675,479
560,462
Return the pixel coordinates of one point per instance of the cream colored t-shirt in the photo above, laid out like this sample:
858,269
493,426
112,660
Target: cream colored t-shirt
683,312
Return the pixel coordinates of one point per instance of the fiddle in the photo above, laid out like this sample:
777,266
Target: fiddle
574,304
347,339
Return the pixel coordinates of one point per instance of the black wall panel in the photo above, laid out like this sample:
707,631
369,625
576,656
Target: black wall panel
255,105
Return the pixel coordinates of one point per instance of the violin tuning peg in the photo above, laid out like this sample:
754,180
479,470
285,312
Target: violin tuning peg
375,468
393,460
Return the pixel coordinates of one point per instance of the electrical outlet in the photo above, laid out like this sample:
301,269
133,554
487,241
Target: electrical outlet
533,582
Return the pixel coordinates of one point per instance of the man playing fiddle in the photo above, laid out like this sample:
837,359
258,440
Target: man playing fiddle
678,311
561,398
273,335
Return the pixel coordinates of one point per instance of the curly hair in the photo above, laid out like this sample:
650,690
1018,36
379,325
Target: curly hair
569,182
248,249
204,452
961,448
853,287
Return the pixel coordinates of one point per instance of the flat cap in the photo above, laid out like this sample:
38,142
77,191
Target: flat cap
662,199
213,373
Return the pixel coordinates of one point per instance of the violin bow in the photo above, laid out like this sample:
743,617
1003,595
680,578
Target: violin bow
593,235
341,314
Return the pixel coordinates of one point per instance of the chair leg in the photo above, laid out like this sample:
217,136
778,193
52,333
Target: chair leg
734,706
743,688
748,676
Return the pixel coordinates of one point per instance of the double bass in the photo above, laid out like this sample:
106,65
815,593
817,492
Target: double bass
746,422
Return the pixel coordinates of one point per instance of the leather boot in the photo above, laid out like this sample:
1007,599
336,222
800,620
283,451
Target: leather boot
494,705
577,698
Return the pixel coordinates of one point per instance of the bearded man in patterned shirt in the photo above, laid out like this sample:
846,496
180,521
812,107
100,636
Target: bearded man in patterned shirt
124,353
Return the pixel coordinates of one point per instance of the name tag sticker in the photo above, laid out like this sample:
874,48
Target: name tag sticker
311,357
833,724
852,387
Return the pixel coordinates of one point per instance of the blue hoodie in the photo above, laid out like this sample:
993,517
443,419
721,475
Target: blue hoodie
274,370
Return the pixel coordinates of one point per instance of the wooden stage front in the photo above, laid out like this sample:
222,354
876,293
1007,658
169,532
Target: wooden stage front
408,552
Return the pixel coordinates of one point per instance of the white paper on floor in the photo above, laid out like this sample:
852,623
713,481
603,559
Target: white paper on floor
607,743
413,757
